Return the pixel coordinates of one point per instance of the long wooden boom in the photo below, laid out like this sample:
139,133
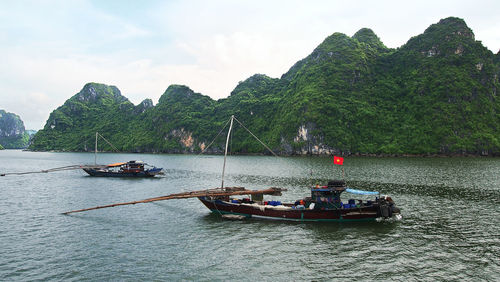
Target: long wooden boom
69,167
217,192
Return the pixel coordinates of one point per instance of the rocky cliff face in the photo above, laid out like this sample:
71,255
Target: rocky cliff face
11,125
12,132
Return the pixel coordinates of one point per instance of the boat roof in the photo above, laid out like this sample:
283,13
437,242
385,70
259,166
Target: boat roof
122,163
361,192
115,164
135,162
328,189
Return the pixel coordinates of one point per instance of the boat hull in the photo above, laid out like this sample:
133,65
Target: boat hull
104,173
288,213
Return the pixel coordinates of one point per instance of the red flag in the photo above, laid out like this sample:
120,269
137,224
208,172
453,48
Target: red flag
338,160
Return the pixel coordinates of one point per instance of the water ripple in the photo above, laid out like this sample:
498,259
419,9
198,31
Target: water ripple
450,229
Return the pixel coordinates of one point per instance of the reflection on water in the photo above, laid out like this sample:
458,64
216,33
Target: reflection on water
450,228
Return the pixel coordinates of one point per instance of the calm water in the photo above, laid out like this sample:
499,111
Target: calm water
450,229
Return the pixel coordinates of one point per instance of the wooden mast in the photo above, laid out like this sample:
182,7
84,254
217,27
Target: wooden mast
95,151
225,152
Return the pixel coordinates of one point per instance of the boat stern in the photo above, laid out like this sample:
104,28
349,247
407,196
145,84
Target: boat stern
387,209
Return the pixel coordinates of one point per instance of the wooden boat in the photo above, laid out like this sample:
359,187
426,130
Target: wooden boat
314,208
125,169
324,204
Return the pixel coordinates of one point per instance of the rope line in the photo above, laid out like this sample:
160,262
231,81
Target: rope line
256,137
109,143
206,148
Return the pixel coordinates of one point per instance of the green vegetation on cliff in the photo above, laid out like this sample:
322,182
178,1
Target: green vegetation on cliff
12,132
437,94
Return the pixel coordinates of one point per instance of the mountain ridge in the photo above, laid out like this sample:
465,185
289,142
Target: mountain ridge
436,94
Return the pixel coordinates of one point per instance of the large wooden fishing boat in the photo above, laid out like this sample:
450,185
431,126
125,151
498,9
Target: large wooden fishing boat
125,169
324,204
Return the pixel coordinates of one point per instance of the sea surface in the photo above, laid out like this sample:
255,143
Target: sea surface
450,228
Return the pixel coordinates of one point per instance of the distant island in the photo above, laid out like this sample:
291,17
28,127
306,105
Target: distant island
12,132
435,95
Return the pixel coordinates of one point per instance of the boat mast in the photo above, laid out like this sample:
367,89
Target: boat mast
225,152
95,152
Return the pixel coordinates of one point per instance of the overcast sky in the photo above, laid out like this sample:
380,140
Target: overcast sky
50,49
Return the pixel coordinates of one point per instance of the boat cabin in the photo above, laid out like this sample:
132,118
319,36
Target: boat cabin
133,166
328,197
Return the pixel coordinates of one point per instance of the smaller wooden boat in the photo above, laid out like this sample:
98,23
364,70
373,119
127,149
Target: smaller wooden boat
125,169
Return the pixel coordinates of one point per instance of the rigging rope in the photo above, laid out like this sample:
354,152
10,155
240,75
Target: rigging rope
108,142
263,144
203,151
255,137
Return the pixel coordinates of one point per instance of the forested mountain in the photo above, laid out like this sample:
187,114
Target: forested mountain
437,94
12,132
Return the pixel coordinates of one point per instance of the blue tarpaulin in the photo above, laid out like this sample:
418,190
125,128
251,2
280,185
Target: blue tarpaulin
361,192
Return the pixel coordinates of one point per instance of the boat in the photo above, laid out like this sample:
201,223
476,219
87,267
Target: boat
124,169
324,204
